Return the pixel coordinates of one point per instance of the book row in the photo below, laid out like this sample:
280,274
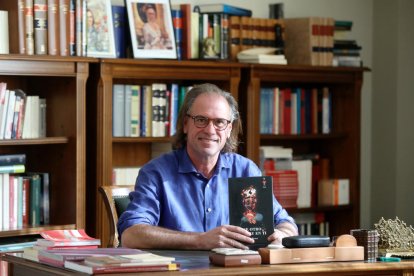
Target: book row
295,110
66,28
25,200
217,34
146,110
21,116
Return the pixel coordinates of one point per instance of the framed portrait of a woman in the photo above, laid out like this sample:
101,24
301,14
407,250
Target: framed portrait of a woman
151,28
99,29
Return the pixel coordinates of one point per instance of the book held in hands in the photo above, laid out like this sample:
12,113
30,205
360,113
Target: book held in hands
251,207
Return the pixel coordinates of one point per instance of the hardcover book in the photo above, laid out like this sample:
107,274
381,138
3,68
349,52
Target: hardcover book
251,207
222,8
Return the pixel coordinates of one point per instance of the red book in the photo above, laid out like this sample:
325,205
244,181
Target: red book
186,30
26,197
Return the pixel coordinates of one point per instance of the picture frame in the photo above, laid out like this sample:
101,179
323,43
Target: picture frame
151,29
99,29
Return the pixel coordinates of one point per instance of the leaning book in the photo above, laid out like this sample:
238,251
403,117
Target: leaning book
251,207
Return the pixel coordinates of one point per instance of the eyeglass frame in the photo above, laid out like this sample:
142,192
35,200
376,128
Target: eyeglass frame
208,121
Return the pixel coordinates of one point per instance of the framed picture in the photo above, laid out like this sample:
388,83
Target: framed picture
151,28
99,29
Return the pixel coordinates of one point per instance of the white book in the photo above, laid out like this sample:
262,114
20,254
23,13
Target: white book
27,121
6,201
343,191
127,110
10,115
4,114
326,112
304,169
35,117
118,105
3,86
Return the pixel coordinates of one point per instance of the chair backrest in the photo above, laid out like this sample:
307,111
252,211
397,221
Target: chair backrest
116,199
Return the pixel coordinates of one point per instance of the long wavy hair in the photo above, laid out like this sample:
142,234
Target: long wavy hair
179,140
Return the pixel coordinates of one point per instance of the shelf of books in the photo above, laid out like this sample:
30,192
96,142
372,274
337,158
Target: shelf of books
307,137
42,144
136,104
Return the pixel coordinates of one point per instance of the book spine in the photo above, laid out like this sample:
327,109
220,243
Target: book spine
72,28
186,33
12,159
21,26
224,32
28,11
127,110
25,201
64,27
118,101
177,18
135,111
78,29
119,18
53,27
234,33
40,26
35,200
6,201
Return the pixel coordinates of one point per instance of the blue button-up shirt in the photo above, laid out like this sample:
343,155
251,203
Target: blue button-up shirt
171,193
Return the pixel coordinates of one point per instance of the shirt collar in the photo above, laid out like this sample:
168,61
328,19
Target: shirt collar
186,166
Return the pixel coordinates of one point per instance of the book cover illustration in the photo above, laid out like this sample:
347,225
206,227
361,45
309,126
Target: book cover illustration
251,206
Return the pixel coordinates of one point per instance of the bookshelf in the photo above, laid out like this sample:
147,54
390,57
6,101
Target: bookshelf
62,81
106,151
341,145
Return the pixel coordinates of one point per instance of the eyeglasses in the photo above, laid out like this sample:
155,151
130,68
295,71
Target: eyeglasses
201,122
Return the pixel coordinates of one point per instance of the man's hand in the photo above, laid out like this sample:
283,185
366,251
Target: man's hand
225,236
282,230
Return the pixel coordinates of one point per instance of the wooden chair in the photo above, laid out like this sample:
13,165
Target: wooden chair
116,199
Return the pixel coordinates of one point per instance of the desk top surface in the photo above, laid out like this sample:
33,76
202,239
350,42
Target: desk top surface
197,262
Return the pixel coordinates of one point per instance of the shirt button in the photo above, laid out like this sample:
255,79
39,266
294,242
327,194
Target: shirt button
209,210
208,185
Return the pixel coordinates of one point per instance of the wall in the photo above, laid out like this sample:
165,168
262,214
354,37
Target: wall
392,131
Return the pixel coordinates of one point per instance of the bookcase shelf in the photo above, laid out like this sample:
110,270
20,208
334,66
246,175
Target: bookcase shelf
341,146
62,82
107,151
35,230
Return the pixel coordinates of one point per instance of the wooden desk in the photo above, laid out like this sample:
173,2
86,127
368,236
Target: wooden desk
196,263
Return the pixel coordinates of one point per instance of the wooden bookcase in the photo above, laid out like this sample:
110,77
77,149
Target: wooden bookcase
341,146
107,151
62,81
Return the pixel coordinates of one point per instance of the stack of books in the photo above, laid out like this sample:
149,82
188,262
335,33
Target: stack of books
74,249
346,51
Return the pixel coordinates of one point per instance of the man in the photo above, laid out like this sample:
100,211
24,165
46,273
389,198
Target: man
181,198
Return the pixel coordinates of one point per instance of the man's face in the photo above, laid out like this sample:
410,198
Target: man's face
207,142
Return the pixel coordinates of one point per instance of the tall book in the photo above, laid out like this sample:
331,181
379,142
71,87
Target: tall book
120,20
40,26
251,207
186,12
135,110
21,26
234,33
302,40
29,32
53,27
118,109
64,27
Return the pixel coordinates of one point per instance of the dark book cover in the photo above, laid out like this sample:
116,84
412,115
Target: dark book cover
251,207
119,18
